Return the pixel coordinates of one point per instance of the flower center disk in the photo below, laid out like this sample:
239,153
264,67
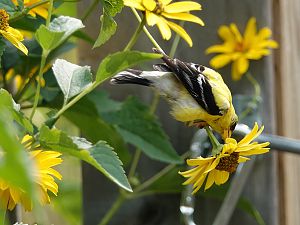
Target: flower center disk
229,163
4,20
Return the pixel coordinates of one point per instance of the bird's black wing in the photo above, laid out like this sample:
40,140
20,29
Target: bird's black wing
193,80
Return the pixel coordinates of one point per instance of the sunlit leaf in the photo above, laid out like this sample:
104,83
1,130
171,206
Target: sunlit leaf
100,155
59,30
108,24
119,61
71,78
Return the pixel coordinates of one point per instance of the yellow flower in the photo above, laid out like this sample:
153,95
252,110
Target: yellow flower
158,12
41,10
12,35
43,176
240,49
217,168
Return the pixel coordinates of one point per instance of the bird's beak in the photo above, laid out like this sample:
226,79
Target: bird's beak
226,134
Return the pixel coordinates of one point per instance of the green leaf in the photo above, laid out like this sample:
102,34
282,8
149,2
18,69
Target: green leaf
119,61
108,24
94,128
139,127
59,30
101,155
7,101
71,78
108,29
113,6
2,48
15,166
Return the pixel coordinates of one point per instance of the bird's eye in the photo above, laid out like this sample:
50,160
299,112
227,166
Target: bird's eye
232,127
201,68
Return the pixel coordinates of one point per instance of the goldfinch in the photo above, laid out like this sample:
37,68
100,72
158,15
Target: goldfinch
197,95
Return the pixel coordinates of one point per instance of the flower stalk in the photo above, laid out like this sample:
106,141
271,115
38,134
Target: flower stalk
45,54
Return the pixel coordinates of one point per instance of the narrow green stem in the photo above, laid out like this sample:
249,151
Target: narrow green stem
2,222
134,163
256,97
114,208
154,102
135,35
156,45
175,42
89,10
50,8
38,89
75,99
42,65
217,147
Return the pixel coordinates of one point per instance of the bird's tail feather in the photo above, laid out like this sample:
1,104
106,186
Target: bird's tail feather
130,76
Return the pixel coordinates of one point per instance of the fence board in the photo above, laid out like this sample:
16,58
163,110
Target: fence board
288,70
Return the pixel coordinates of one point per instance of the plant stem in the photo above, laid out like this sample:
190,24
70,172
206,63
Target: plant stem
134,163
42,65
2,222
135,35
114,208
256,97
89,10
49,13
38,89
175,42
217,147
156,45
75,99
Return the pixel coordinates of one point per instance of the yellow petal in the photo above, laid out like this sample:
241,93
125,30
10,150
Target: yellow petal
184,6
184,16
264,33
41,11
198,184
226,34
242,159
12,39
256,151
249,137
221,177
243,65
250,31
224,48
236,32
149,4
210,179
179,30
213,165
267,44
135,4
257,54
17,34
235,72
164,28
220,60
199,161
165,2
152,18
